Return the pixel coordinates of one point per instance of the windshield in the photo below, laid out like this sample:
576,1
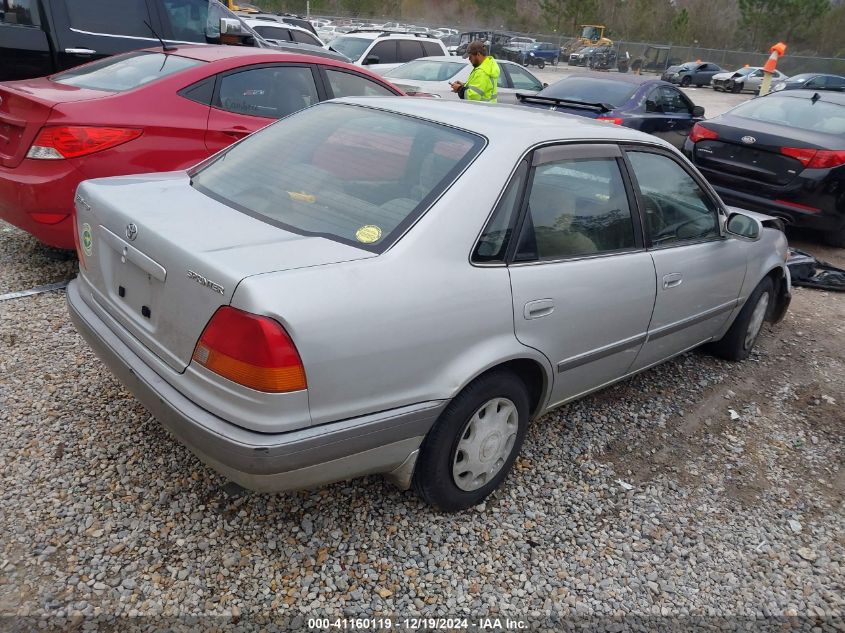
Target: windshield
797,112
747,70
351,47
589,90
802,77
358,176
590,33
125,72
427,70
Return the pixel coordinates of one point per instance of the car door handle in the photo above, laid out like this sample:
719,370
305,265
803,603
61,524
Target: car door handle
538,308
80,51
672,279
239,131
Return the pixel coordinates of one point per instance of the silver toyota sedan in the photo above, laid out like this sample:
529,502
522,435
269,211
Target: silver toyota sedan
399,286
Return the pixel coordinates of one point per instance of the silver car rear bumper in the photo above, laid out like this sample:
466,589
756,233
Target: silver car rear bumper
385,442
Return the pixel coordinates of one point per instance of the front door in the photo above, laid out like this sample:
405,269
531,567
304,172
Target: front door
583,286
699,272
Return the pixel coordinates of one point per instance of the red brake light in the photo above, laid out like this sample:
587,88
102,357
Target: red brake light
610,119
251,350
700,133
816,159
48,218
53,143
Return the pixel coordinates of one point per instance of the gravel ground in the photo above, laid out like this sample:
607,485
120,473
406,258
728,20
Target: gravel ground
646,499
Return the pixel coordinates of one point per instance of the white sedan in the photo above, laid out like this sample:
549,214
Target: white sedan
432,76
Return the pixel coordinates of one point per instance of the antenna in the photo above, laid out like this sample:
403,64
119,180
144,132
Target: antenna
164,46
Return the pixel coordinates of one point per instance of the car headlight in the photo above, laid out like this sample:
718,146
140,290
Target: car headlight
531,54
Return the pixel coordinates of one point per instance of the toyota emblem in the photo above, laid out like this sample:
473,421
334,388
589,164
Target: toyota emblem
131,231
748,140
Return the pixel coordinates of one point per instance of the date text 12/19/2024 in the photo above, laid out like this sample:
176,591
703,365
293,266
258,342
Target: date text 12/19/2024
416,624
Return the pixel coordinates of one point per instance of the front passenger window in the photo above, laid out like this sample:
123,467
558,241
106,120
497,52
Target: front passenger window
676,209
576,207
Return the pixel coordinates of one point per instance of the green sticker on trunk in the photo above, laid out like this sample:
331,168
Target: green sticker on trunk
87,239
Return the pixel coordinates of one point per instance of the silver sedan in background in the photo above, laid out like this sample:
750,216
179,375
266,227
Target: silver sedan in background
409,286
432,76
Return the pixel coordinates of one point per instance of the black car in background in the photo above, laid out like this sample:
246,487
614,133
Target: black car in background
41,37
782,154
639,102
811,81
692,73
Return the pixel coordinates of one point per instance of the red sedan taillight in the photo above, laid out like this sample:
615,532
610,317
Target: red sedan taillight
56,143
701,133
610,119
815,158
251,350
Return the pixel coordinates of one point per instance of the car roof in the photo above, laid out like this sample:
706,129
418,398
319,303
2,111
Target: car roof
455,58
247,54
504,123
636,80
829,96
375,34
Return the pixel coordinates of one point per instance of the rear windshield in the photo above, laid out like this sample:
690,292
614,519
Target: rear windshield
590,90
347,173
422,70
125,72
796,112
351,47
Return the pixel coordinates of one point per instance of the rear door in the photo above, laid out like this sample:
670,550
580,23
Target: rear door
98,28
520,81
583,285
24,47
248,99
699,272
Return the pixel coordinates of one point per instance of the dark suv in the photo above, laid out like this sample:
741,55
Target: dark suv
40,37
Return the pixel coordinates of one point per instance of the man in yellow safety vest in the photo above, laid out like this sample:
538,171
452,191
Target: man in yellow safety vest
483,82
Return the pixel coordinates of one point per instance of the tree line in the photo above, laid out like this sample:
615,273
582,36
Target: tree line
809,27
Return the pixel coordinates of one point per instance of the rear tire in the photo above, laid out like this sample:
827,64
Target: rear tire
474,442
741,336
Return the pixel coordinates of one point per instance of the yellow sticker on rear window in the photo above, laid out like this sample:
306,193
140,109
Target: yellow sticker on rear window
301,196
87,239
368,234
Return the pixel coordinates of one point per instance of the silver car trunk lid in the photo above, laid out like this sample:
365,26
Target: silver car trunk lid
161,257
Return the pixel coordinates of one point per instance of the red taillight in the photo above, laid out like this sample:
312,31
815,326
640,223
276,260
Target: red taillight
251,350
610,119
701,133
55,143
815,158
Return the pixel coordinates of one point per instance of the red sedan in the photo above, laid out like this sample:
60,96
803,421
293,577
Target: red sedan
147,111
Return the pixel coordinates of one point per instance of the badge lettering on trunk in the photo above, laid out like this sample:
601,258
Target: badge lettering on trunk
205,281
748,139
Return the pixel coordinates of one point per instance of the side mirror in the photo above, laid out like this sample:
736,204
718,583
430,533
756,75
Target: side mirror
545,85
371,59
743,226
698,112
230,26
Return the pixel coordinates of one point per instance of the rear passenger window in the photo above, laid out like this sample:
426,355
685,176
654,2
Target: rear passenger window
493,244
304,38
385,51
576,207
676,209
522,79
431,49
409,50
345,84
109,17
273,32
20,12
272,92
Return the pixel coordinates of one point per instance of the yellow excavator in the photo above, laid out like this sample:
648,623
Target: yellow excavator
243,7
593,35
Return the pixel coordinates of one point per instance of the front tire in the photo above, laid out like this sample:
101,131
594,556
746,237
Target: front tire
685,82
541,64
740,338
474,442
